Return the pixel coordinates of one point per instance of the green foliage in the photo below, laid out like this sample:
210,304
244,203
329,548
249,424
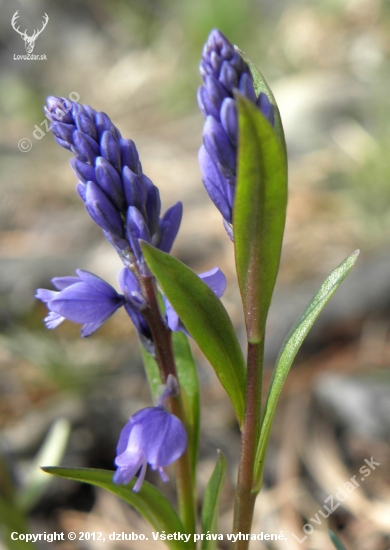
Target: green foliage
259,214
189,385
211,502
205,318
290,348
149,502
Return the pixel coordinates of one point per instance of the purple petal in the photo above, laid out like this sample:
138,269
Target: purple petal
102,211
173,320
45,295
134,189
85,172
109,182
82,191
215,91
164,438
89,328
85,148
206,105
63,131
104,124
229,119
214,279
215,184
153,204
136,228
169,226
218,144
100,285
84,122
110,150
63,282
266,108
246,87
129,155
82,303
63,143
228,77
59,109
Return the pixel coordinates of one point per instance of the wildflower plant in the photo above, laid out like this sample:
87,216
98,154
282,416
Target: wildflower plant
243,163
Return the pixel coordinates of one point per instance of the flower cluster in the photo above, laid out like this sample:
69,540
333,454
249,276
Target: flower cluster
116,193
223,71
126,205
152,436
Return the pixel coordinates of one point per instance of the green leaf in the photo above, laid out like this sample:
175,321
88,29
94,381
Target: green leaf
211,502
260,85
336,541
152,373
188,379
259,214
149,502
205,318
290,348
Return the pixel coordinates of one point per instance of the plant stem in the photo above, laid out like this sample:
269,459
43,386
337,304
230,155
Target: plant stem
246,495
165,358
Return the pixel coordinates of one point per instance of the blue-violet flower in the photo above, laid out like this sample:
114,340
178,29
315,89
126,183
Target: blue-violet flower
89,300
85,299
152,436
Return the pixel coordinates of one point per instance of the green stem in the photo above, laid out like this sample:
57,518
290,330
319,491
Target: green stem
246,494
165,358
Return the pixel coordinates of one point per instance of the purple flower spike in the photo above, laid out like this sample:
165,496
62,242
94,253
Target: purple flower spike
118,196
224,71
85,299
152,436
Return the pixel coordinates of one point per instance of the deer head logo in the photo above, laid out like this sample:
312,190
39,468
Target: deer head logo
29,41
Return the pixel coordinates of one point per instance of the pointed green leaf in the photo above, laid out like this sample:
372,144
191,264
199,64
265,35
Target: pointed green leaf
260,84
188,379
336,541
290,348
211,502
259,214
206,320
149,502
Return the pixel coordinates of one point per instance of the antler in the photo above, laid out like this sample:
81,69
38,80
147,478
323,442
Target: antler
13,22
45,20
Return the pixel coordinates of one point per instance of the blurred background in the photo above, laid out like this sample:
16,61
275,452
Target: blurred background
328,64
